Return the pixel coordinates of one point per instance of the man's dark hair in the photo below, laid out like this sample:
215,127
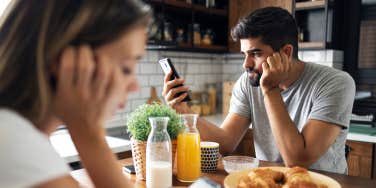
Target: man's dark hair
275,26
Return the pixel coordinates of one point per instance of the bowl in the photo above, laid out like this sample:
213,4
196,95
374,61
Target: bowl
236,163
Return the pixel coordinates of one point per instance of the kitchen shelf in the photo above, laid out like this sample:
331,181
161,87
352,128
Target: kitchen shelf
212,47
310,5
216,11
172,15
185,47
197,8
311,45
179,4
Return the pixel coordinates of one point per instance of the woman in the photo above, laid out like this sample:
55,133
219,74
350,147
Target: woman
71,62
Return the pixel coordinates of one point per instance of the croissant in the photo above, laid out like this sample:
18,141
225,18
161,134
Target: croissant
298,177
295,177
262,178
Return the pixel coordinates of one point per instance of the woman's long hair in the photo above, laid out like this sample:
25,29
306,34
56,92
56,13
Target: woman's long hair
35,32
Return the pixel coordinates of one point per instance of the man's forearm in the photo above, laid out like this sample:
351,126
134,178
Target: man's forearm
211,132
289,141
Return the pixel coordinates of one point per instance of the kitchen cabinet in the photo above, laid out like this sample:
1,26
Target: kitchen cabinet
241,8
361,58
361,159
320,22
182,25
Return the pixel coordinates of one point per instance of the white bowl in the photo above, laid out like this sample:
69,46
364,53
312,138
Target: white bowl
236,163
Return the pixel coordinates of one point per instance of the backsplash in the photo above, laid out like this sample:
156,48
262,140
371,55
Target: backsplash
199,69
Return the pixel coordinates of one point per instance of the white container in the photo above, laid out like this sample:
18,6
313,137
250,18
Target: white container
159,175
158,155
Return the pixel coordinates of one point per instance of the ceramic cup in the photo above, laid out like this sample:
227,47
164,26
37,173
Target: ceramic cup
209,156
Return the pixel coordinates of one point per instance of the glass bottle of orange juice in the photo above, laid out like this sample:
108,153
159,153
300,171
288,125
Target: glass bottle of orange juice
188,150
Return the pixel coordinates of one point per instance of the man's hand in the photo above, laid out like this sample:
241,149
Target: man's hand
170,89
275,71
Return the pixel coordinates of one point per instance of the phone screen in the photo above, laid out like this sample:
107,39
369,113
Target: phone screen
129,169
167,66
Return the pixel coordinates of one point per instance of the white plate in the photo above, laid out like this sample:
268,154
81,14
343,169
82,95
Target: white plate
232,180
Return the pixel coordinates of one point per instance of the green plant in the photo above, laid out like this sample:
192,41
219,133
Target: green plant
138,124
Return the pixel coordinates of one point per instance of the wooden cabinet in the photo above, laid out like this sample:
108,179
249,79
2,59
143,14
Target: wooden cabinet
361,159
320,22
241,8
189,25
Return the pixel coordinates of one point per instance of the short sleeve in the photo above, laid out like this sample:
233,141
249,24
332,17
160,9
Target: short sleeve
239,103
27,158
333,100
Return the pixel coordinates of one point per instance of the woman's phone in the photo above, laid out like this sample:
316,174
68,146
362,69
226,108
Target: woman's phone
129,169
167,66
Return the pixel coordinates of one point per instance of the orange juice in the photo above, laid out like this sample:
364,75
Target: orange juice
188,157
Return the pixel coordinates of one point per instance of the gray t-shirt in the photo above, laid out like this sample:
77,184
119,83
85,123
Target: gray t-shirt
321,93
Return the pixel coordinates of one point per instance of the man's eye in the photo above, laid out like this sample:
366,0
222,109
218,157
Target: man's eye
257,54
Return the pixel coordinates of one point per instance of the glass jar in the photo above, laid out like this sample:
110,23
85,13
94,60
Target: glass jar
179,35
167,31
196,34
188,150
158,154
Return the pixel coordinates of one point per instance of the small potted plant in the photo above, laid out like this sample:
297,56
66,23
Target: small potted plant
138,127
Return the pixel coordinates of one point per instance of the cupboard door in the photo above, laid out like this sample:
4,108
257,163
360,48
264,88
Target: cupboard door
360,159
241,8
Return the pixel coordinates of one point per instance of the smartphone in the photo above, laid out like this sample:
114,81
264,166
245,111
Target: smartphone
167,66
129,169
204,182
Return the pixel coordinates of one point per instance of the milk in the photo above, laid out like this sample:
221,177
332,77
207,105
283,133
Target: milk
159,174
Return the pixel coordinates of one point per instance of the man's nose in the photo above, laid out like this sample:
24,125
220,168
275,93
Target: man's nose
248,63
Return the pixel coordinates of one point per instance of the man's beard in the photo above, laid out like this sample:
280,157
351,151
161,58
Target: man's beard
254,76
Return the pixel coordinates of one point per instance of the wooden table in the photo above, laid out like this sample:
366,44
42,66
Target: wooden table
219,176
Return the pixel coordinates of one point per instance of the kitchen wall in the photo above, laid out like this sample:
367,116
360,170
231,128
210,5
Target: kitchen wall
200,69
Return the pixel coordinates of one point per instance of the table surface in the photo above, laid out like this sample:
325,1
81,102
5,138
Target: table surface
220,175
63,145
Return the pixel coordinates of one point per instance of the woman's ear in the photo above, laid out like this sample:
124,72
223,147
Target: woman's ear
53,68
53,71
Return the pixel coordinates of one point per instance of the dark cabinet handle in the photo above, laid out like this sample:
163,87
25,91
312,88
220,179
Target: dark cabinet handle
347,151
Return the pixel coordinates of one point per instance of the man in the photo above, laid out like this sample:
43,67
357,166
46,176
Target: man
299,111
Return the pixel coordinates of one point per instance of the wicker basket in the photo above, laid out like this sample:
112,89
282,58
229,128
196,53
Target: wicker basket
139,157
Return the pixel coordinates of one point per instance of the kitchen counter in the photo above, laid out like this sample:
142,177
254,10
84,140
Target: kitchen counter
219,118
62,143
361,137
118,142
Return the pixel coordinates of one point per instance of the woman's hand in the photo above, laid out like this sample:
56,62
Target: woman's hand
88,91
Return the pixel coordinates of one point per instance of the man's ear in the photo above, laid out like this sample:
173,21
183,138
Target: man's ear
288,49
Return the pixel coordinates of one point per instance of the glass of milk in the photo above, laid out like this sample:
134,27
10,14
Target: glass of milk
158,155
